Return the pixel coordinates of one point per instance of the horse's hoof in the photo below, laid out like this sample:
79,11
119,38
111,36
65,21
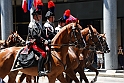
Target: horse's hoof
92,81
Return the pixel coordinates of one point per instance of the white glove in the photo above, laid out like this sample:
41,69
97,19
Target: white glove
27,42
47,48
46,42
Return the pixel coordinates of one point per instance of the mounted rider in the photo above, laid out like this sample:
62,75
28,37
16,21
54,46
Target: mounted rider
49,25
71,19
61,23
37,41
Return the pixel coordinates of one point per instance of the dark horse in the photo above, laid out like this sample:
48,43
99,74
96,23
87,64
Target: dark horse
61,40
88,56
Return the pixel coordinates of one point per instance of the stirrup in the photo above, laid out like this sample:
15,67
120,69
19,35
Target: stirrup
42,73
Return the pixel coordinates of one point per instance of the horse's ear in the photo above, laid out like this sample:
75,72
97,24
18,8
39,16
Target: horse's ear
90,28
104,34
16,32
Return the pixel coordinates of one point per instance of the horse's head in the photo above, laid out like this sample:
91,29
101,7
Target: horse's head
14,39
90,35
104,43
69,34
76,36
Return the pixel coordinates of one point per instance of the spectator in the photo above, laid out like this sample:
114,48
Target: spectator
99,60
120,57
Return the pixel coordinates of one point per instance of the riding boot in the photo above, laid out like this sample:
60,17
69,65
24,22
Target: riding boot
41,67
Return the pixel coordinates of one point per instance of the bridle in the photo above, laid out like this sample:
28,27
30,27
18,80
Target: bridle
14,38
104,44
94,45
79,42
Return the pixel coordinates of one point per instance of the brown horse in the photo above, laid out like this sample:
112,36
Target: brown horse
61,42
88,56
90,38
13,40
73,54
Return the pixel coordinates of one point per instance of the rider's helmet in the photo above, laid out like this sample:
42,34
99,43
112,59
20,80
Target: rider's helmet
61,20
69,18
38,8
51,8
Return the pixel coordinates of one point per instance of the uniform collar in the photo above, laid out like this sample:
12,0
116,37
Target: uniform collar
59,25
49,21
36,21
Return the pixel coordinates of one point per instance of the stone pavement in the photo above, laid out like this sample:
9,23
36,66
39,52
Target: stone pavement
106,73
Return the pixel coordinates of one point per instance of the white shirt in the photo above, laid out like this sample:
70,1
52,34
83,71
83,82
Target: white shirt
48,26
99,56
58,28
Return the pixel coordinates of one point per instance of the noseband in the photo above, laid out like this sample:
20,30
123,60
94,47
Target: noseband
94,44
75,31
15,38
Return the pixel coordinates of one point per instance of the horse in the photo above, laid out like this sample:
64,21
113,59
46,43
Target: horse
88,56
87,34
60,42
81,44
73,54
14,39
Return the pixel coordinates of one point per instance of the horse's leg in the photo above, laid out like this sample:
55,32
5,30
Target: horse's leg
72,75
28,79
95,70
52,79
62,79
68,79
12,77
21,78
82,75
35,79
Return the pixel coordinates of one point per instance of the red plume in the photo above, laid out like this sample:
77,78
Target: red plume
51,4
67,13
37,2
71,19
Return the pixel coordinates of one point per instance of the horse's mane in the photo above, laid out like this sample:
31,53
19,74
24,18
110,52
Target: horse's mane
58,37
85,31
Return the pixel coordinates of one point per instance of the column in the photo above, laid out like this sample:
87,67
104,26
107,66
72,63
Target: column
122,33
110,28
6,18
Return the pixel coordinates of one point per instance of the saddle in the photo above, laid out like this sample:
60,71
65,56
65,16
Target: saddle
24,60
27,58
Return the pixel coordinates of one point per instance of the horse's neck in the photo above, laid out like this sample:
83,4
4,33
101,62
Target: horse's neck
76,50
61,40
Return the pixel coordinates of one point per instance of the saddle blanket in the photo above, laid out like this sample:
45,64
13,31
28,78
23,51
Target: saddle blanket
24,60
